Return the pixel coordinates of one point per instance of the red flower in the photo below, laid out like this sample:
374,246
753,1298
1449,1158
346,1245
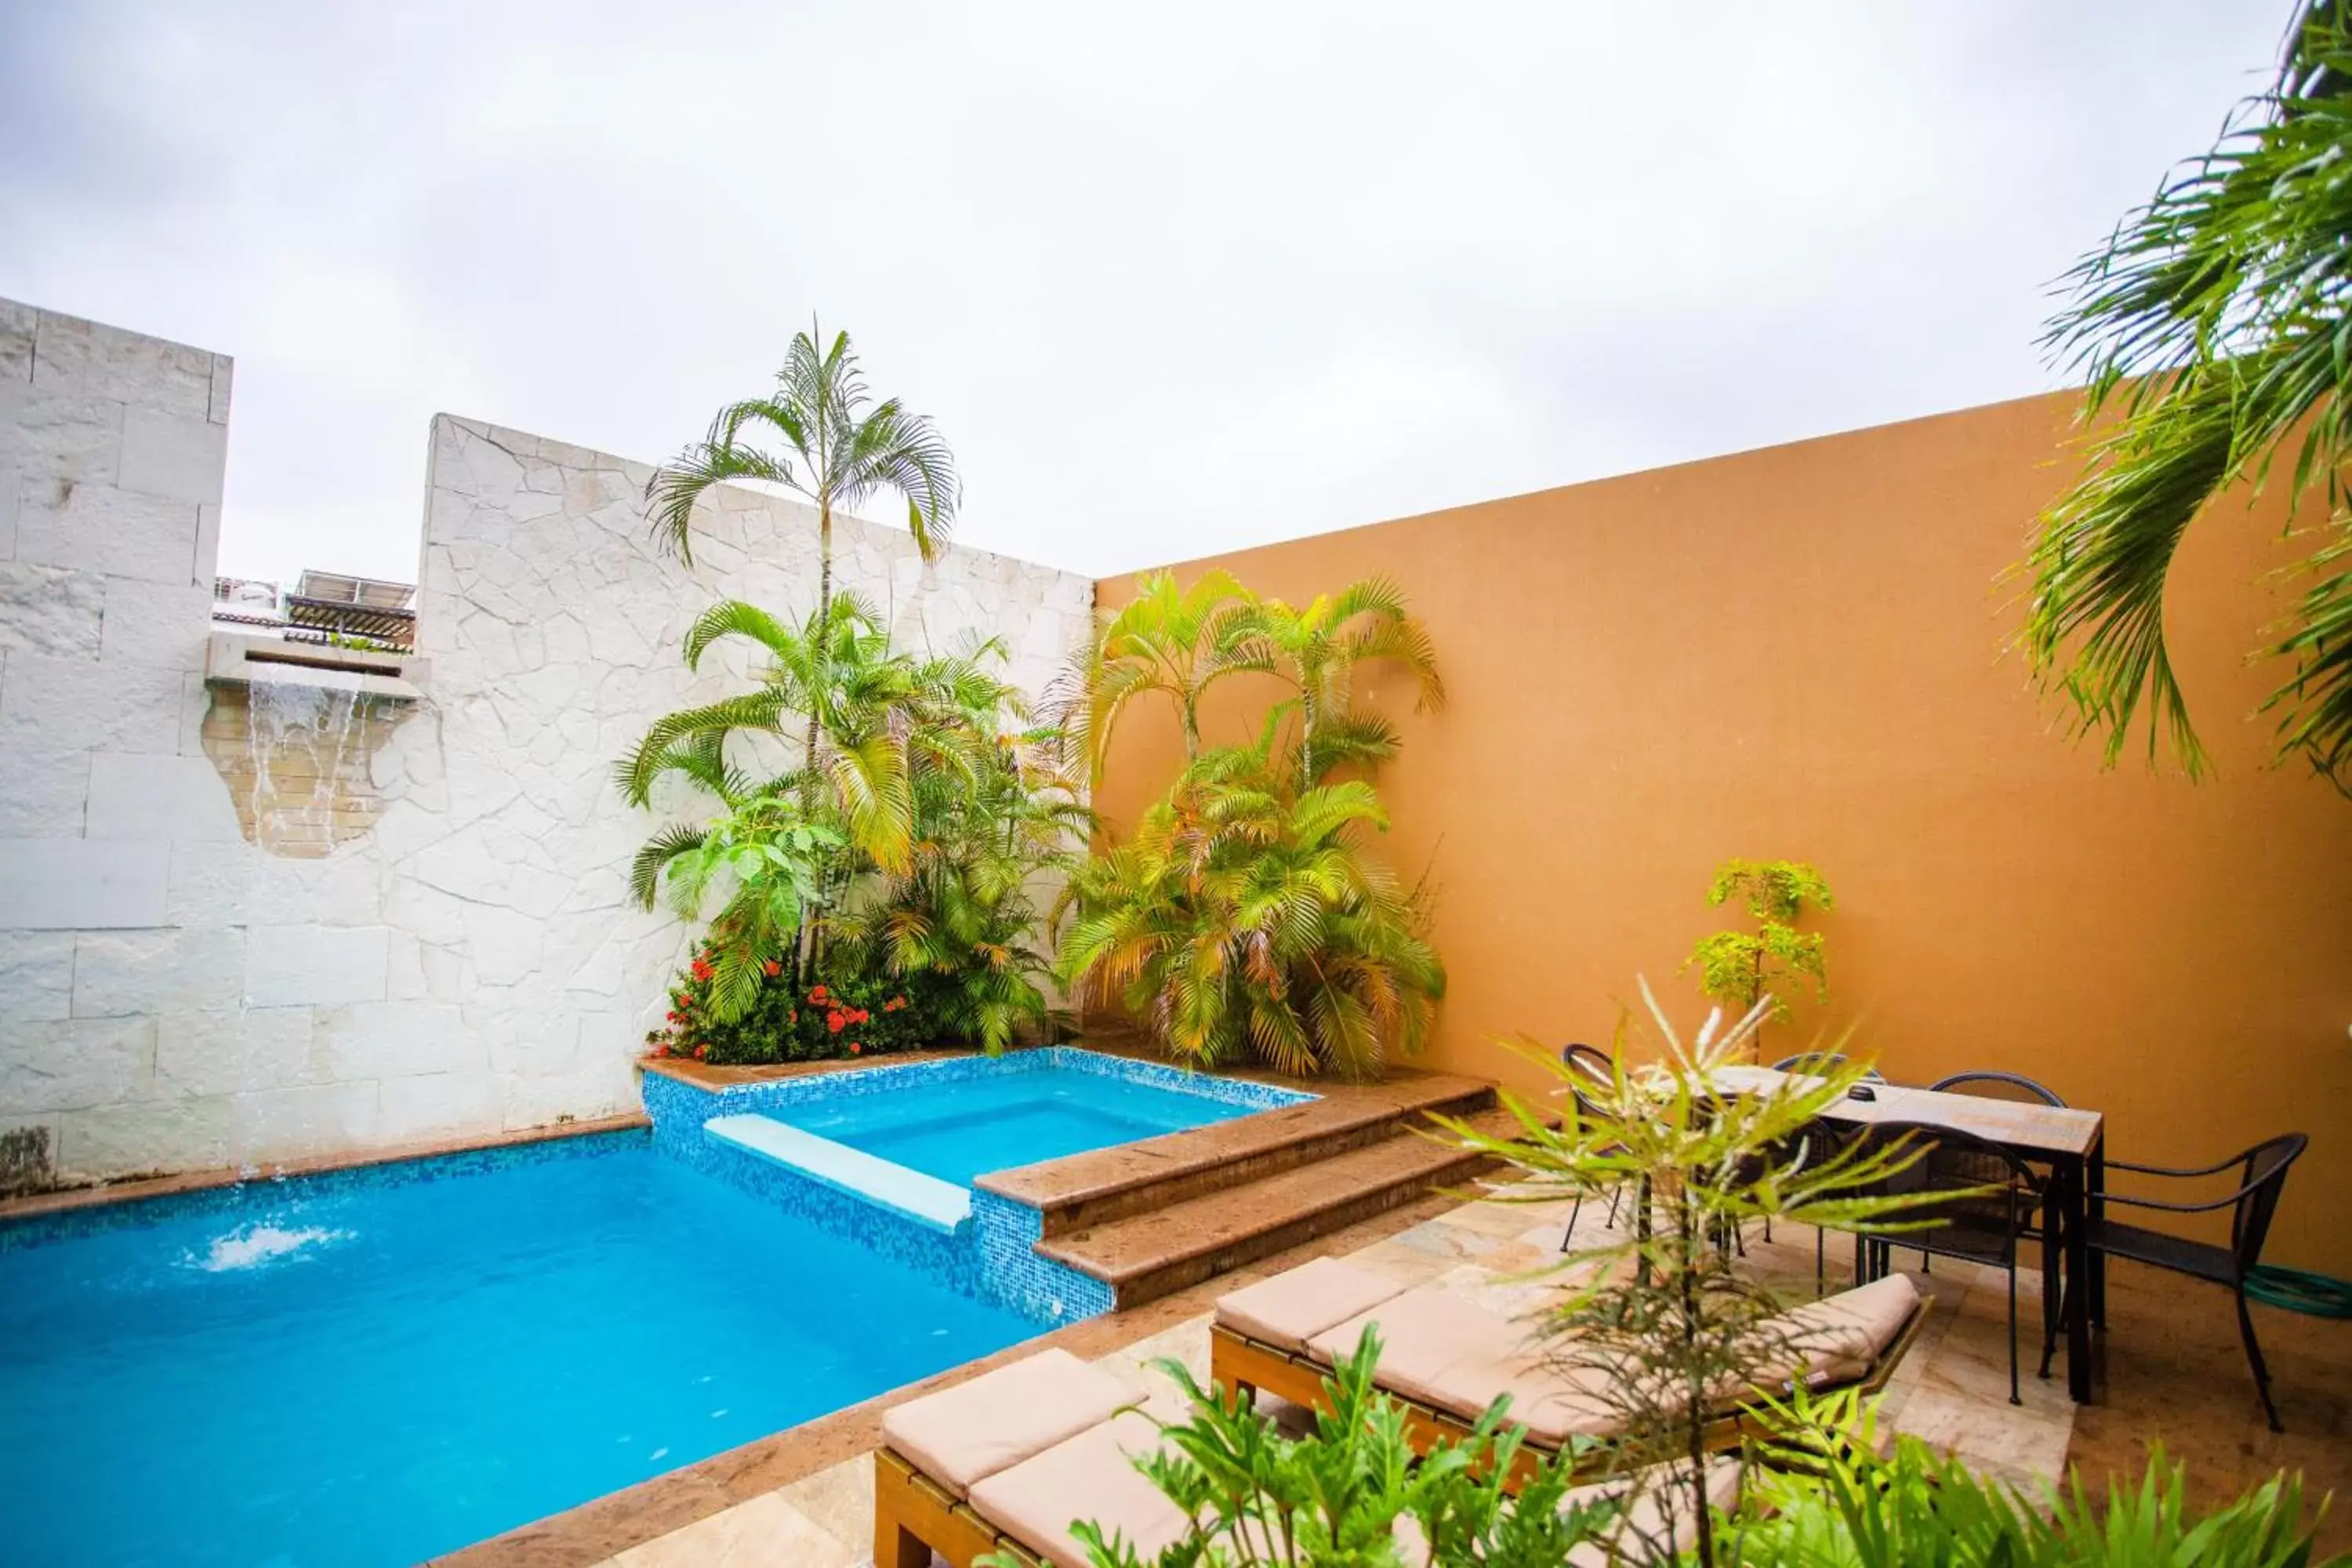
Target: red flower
817,995
836,1022
852,1048
700,970
661,1050
700,1052
795,1016
773,968
860,1017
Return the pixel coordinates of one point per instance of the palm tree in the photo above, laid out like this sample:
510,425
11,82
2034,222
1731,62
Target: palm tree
1318,648
2211,327
1167,639
1246,920
905,751
964,910
834,684
839,449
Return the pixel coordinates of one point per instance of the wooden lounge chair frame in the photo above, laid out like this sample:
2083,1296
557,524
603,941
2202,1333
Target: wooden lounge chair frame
1250,1365
915,1516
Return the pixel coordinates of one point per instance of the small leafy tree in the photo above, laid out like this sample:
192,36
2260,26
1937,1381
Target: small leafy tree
1739,969
1666,1327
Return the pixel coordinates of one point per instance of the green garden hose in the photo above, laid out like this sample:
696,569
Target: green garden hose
2299,1290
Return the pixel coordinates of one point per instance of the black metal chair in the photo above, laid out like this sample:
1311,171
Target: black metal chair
1816,1061
1989,1083
2262,1177
1994,1199
1585,1062
1981,1080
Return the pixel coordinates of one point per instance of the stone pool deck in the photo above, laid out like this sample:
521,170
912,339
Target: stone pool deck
804,1498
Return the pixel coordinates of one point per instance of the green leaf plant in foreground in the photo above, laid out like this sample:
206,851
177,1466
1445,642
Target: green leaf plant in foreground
1350,1494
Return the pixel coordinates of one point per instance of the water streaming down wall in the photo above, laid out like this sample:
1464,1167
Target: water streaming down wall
296,758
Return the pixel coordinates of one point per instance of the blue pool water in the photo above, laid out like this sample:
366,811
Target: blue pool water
340,1372
954,1131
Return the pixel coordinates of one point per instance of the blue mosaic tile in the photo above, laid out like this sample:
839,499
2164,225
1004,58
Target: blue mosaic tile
1015,1278
884,1077
269,1192
946,1258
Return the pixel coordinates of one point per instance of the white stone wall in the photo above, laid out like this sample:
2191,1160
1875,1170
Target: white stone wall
172,997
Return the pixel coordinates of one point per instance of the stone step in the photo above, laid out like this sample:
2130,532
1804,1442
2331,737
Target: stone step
1092,1190
1146,1255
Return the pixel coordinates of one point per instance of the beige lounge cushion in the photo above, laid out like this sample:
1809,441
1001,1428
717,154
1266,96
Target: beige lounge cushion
1552,1401
1290,1309
1840,1338
1089,1476
1422,1332
961,1434
1457,1356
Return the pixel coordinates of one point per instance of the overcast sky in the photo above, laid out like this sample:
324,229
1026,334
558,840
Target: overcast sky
1169,282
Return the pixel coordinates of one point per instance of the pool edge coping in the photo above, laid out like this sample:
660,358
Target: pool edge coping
144,1189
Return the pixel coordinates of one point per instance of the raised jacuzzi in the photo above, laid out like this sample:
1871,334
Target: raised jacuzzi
887,1154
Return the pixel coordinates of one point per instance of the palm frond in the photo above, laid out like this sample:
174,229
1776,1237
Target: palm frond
656,856
2212,329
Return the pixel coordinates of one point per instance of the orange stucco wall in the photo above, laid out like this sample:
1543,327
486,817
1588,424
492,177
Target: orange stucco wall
1799,652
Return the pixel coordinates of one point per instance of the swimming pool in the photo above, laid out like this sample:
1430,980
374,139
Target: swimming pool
375,1366
955,1129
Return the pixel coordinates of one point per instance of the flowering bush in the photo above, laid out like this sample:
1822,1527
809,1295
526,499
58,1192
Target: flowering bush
845,1015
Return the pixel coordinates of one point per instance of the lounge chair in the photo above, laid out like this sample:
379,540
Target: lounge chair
1446,1360
1005,1462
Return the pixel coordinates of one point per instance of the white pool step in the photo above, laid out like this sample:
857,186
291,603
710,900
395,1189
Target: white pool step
927,1200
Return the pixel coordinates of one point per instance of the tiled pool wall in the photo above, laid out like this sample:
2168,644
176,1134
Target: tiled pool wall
994,1259
59,1224
679,1110
1003,1238
885,1077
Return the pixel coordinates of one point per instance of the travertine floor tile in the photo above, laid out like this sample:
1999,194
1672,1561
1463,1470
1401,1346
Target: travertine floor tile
766,1532
839,1500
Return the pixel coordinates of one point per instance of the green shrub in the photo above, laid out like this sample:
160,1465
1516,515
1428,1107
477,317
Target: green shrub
846,1015
1815,1493
1345,1492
